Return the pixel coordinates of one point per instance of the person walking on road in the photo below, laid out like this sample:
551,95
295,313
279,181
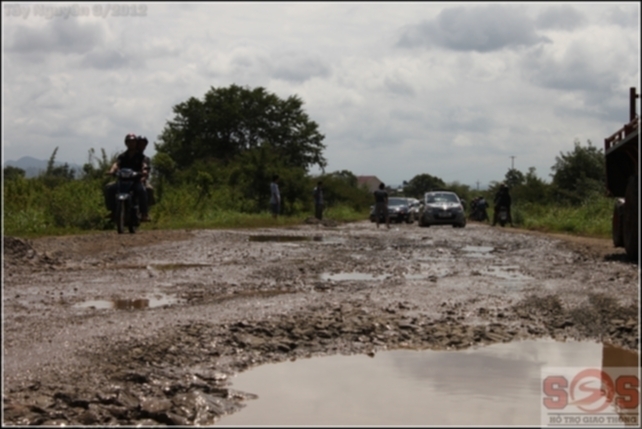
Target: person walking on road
381,205
318,200
275,196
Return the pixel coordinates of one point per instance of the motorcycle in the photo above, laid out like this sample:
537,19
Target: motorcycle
127,210
479,213
502,215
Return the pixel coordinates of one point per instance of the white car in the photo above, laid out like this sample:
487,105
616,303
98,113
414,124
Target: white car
441,208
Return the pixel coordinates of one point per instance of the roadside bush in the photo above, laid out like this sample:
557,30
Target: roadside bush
78,204
30,220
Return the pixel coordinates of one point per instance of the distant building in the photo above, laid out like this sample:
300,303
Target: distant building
370,182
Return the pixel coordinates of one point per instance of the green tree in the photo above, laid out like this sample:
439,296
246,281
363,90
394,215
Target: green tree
12,173
346,176
95,167
56,175
230,121
579,174
513,178
252,173
533,190
422,183
341,188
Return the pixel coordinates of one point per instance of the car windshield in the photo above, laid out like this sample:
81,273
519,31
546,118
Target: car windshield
441,198
396,202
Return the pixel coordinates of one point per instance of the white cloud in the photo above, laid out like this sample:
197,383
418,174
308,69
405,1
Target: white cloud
398,89
475,28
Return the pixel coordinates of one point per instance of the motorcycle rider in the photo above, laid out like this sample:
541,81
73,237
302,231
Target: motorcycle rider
141,145
135,160
502,199
480,209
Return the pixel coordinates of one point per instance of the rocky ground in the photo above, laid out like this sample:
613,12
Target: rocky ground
109,329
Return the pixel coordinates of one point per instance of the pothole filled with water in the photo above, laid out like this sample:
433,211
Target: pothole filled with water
507,272
179,266
357,276
149,301
496,385
478,251
351,276
328,239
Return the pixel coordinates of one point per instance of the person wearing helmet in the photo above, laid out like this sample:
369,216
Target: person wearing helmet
502,198
133,159
142,144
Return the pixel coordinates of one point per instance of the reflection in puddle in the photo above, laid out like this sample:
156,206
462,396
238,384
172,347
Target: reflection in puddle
507,272
279,238
152,301
371,277
350,276
294,238
179,266
478,251
494,385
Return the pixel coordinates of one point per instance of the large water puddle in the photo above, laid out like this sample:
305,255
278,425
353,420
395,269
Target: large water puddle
351,276
295,238
496,385
358,276
508,272
478,251
148,301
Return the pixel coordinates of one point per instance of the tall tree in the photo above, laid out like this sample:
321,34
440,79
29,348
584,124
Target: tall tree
513,177
579,173
229,121
422,183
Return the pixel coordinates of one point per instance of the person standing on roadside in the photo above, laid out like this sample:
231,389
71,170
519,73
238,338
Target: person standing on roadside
381,205
275,196
318,200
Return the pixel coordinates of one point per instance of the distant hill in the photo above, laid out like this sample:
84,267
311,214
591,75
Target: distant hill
33,167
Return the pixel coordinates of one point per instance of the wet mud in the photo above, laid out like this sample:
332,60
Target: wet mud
149,328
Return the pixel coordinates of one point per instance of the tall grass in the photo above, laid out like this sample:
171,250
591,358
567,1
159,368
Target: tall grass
591,218
31,209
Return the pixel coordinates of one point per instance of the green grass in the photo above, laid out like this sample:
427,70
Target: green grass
591,219
32,210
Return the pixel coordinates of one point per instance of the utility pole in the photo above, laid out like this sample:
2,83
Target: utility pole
478,185
512,162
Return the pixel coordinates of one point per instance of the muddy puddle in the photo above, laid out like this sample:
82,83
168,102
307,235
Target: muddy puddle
295,238
358,276
494,385
478,251
148,301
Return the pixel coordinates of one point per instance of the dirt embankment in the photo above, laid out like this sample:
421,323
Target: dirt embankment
212,303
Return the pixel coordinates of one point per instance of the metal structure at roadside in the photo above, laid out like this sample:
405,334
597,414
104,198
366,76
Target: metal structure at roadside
621,151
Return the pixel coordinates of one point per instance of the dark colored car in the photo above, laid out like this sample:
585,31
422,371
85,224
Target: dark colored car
400,209
442,208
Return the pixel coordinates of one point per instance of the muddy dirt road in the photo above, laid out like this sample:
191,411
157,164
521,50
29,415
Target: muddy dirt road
147,328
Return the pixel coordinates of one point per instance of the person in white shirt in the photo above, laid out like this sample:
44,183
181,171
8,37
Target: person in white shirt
275,196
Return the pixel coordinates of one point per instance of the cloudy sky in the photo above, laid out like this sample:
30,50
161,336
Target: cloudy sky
398,89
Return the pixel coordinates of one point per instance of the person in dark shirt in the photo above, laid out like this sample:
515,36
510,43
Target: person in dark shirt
502,199
318,200
134,160
381,205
